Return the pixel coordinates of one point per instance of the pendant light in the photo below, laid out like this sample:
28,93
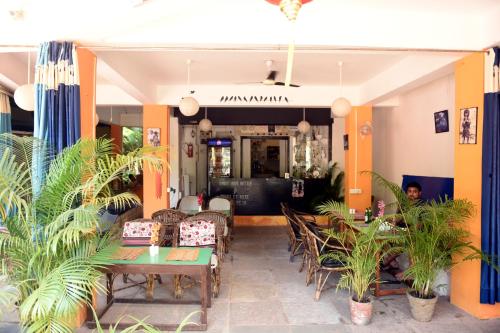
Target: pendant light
341,106
189,105
304,126
205,124
24,96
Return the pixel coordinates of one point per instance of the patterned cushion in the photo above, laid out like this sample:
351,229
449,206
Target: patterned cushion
197,233
137,233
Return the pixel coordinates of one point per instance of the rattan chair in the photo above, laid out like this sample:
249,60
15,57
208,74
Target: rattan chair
219,220
295,240
129,240
318,246
224,204
168,218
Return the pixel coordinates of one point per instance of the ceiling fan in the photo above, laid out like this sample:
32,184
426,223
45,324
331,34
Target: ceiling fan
270,80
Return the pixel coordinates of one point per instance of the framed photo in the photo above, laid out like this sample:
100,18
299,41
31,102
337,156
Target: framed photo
441,123
468,126
346,141
154,137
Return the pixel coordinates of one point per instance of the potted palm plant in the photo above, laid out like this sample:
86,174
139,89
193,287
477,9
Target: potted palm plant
360,246
435,240
52,250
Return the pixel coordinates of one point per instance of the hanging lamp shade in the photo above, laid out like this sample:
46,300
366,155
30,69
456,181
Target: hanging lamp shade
24,96
289,7
304,127
341,107
189,106
205,125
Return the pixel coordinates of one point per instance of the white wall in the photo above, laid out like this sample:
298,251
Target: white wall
174,155
404,138
338,153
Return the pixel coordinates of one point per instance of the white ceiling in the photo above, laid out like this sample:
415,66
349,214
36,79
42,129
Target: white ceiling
237,67
142,50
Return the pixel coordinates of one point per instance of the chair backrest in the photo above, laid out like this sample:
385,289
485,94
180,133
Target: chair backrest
129,215
292,233
188,203
219,204
139,231
168,218
214,231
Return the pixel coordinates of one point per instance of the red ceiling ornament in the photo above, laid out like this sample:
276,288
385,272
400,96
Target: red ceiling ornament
289,7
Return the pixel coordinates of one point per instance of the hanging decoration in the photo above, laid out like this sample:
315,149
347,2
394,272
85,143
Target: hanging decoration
291,9
188,105
205,124
304,126
341,106
24,96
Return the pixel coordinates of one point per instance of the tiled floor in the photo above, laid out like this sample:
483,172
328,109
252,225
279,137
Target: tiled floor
263,292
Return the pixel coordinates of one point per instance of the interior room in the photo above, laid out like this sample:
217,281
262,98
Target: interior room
230,160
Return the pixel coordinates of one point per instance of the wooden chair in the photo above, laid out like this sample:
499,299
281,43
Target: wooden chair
317,247
295,241
224,204
218,220
168,218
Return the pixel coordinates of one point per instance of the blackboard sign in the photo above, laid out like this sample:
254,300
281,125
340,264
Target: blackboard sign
257,196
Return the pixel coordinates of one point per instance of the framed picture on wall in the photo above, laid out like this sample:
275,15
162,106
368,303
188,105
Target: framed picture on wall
441,123
468,126
154,137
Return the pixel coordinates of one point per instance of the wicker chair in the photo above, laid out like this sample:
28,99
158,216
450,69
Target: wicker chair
224,204
150,278
219,220
295,241
317,247
129,215
168,218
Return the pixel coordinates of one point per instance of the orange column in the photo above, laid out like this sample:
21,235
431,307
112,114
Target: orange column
87,64
469,92
156,116
358,158
116,135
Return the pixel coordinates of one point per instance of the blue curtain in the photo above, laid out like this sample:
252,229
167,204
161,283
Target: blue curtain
490,206
57,102
5,116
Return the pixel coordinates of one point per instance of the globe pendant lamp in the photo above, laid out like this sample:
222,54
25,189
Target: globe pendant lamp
341,106
205,124
24,96
188,105
304,126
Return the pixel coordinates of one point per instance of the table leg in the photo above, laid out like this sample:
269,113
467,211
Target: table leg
204,294
209,285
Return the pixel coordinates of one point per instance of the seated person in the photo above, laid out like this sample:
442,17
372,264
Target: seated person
390,263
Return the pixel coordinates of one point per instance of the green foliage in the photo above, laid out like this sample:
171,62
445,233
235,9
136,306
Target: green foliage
360,244
52,251
132,139
142,326
333,190
435,238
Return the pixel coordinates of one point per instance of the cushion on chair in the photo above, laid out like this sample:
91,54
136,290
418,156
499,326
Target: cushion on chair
137,233
196,233
331,263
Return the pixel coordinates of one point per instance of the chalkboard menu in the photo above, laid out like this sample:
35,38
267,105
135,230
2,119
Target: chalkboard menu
262,196
257,196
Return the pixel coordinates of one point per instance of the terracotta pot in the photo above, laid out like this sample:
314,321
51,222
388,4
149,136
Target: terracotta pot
422,309
361,313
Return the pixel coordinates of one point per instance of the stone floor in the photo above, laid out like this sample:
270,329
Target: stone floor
263,292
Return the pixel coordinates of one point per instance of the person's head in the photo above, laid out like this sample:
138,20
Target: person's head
413,190
466,113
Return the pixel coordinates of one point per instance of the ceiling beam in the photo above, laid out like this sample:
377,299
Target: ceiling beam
407,74
13,72
127,77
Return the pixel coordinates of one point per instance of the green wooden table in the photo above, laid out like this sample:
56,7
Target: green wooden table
146,264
